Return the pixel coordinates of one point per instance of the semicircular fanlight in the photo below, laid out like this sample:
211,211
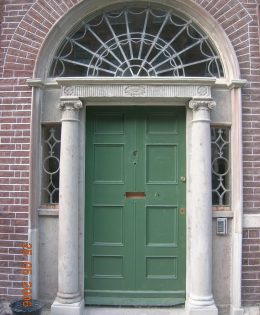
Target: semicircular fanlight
133,42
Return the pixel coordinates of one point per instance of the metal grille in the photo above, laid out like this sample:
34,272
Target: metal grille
51,164
220,147
133,42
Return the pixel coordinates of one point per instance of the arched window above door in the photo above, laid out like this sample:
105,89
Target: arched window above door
137,42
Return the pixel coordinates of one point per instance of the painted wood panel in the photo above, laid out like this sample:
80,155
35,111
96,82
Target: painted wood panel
135,243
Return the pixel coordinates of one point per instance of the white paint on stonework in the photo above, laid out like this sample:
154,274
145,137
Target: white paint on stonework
252,310
251,221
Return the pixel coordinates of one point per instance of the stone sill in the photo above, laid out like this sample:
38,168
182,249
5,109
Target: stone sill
222,214
49,210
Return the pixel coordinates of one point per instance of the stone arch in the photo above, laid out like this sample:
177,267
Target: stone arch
32,43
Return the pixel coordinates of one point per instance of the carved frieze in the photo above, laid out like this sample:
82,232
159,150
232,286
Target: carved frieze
135,90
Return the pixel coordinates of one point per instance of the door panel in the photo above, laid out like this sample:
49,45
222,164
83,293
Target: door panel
108,219
135,247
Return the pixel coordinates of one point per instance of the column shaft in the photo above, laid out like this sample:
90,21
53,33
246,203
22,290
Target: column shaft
68,282
201,211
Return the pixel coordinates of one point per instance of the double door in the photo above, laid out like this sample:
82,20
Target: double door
135,206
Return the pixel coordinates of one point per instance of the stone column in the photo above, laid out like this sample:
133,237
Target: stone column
200,296
68,299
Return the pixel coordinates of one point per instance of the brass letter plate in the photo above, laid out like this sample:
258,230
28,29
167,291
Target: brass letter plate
135,195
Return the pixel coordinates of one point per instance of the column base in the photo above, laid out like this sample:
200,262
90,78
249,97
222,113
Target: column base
236,311
58,308
201,310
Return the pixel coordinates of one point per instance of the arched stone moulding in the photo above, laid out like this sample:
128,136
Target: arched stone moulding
190,9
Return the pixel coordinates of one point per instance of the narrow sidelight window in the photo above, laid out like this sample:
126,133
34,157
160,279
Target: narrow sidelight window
50,164
220,153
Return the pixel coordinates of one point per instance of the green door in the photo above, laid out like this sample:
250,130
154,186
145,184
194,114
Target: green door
135,206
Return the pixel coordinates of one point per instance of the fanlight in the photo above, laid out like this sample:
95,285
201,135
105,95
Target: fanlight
137,42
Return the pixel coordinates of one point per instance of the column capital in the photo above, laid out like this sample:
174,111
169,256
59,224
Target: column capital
70,103
70,107
201,103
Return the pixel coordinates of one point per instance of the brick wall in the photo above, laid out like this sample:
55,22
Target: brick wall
251,163
15,115
1,36
251,118
25,26
251,267
15,98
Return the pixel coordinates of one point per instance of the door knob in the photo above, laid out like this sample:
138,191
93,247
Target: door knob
183,179
182,210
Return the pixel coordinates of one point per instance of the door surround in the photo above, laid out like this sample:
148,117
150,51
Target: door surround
92,98
175,91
